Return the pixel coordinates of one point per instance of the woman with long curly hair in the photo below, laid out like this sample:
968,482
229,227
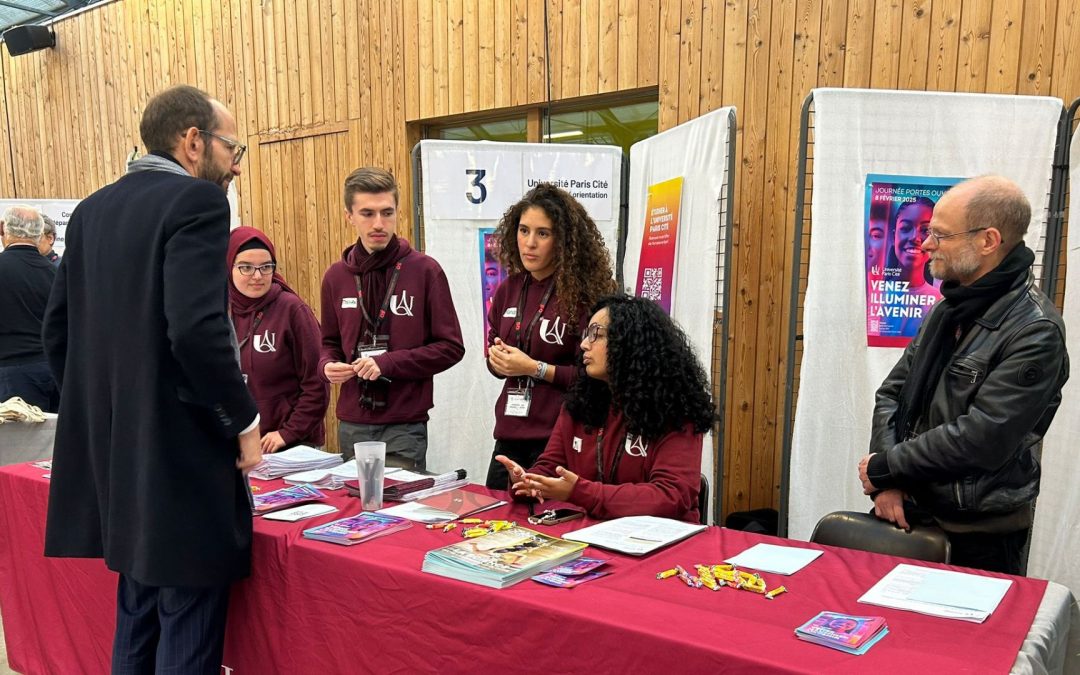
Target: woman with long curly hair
558,267
628,440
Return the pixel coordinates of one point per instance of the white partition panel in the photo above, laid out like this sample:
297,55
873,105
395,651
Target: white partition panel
698,153
466,188
860,132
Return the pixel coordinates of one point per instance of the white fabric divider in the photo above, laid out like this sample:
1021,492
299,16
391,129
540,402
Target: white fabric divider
462,421
697,151
857,132
1055,537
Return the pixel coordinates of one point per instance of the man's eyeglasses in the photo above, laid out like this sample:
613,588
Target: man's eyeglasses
247,270
938,237
593,332
237,147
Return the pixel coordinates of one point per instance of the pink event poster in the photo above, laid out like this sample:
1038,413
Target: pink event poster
656,267
900,292
491,273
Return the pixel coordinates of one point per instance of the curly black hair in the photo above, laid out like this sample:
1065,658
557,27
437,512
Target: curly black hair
583,270
654,377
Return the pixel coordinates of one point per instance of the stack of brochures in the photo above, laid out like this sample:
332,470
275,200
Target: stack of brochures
327,479
444,507
850,634
284,498
398,490
501,559
357,529
300,458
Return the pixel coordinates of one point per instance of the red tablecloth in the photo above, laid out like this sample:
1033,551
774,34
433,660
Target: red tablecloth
317,607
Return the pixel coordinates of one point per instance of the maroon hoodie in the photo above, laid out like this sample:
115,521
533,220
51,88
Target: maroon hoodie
425,337
654,478
551,340
279,354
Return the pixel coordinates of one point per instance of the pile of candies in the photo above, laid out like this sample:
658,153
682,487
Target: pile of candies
715,577
476,527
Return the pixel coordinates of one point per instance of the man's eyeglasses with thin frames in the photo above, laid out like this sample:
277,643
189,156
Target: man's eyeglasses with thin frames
237,147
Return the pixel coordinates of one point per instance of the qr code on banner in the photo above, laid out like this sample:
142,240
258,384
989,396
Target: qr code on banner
652,282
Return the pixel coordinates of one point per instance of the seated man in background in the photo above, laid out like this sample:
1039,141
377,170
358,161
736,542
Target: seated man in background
959,419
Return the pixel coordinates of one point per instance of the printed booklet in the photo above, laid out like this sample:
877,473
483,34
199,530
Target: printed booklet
851,634
357,529
501,559
284,498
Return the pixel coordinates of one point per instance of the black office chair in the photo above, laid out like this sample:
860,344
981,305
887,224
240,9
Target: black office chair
703,500
867,532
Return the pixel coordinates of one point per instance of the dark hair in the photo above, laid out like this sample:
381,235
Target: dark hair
582,264
654,377
171,113
369,180
894,228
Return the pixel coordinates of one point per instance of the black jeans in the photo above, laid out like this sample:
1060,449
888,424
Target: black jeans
33,383
525,453
993,552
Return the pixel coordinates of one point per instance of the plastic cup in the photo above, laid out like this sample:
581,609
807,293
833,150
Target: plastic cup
370,465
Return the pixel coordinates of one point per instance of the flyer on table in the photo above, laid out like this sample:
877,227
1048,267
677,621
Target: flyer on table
900,291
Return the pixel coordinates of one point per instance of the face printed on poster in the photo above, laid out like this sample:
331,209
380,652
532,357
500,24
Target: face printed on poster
491,273
900,291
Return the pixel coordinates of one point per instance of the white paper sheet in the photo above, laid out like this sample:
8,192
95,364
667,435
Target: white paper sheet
912,588
785,560
636,535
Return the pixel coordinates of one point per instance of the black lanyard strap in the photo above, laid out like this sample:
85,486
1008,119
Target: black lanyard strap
619,451
251,331
377,323
524,340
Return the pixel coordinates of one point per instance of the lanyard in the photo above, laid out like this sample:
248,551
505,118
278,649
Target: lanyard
375,325
527,341
600,459
251,331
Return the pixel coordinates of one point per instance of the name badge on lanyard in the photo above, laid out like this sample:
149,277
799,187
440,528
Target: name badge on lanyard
518,402
377,347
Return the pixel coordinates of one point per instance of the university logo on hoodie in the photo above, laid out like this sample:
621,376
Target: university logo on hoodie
402,306
552,332
265,343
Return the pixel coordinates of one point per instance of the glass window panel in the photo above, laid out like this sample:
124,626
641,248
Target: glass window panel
500,130
621,125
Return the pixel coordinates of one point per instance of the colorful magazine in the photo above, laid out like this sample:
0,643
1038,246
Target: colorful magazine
501,559
851,634
284,498
357,529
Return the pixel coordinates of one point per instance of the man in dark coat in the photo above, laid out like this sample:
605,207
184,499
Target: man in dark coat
147,471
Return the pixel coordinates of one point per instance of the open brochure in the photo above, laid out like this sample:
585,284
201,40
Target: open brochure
636,535
501,559
943,593
444,507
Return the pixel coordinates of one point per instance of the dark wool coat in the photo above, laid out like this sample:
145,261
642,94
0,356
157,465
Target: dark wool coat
152,400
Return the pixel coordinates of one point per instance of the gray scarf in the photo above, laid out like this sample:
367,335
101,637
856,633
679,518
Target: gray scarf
155,163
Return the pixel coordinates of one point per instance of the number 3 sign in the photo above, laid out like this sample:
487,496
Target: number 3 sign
470,183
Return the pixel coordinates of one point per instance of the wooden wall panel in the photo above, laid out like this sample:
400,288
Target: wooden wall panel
319,87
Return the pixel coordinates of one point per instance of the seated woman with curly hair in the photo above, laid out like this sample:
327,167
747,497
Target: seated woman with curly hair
628,440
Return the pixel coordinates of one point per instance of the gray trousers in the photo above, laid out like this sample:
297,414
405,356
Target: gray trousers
406,444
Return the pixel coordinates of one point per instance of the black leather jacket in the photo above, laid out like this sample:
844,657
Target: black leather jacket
975,453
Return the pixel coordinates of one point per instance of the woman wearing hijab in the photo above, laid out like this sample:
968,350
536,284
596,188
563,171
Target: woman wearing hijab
279,345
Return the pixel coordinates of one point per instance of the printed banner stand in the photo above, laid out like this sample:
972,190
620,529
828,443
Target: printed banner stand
462,190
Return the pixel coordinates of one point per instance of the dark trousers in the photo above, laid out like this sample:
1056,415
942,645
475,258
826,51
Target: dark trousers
525,453
993,552
168,629
406,444
32,382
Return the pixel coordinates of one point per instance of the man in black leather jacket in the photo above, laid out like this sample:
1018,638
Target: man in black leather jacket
959,420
